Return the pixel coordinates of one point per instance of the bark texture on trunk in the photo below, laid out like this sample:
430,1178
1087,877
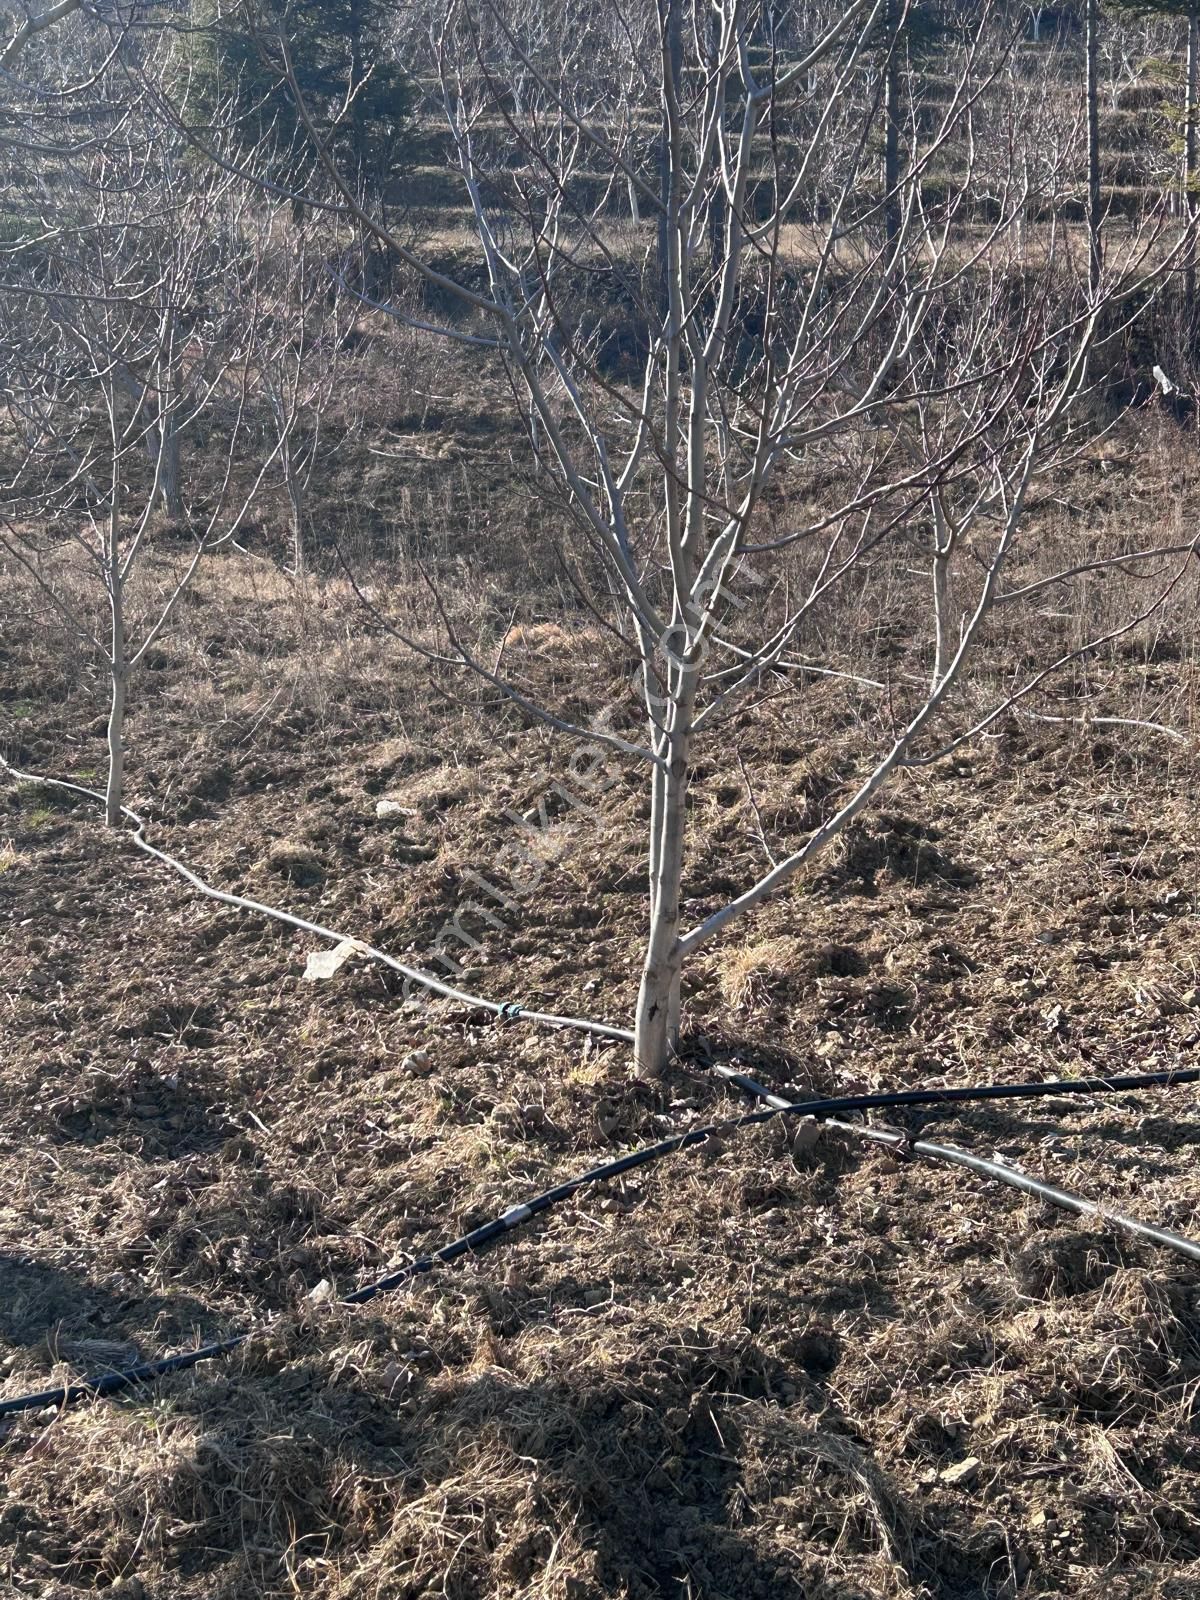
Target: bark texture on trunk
656,1026
1189,158
163,440
1095,222
115,788
168,481
891,132
295,494
673,23
296,498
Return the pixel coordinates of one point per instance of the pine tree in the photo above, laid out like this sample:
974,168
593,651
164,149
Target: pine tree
358,98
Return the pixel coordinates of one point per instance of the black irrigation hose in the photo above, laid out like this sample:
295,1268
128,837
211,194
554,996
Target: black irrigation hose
1016,1179
972,1092
479,1238
489,1232
128,1378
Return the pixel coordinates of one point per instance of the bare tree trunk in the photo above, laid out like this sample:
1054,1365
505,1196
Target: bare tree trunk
943,549
656,1025
716,223
295,493
891,114
163,441
1095,259
169,489
292,481
673,23
1189,159
116,747
114,791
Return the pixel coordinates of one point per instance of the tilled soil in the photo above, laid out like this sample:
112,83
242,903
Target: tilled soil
749,1370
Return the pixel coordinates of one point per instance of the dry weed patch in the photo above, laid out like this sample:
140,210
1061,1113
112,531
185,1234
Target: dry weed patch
761,1373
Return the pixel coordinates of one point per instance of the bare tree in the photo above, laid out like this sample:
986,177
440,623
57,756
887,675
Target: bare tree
126,318
1191,112
305,317
31,24
1095,216
921,359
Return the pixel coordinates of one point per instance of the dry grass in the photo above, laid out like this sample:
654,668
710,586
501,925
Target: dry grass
750,1373
748,972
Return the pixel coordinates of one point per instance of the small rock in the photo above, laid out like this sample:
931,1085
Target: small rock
416,1063
321,1292
962,1474
608,1119
807,1134
395,1374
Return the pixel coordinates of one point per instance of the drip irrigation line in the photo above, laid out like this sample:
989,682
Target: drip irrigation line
127,1378
1038,1090
469,1243
488,1233
1000,1171
506,1009
480,1238
1149,1232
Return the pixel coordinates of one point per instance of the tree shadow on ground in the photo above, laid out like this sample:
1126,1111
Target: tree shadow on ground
1031,1125
694,1467
39,1302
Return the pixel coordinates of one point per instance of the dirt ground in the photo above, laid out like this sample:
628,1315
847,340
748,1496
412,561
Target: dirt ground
749,1371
